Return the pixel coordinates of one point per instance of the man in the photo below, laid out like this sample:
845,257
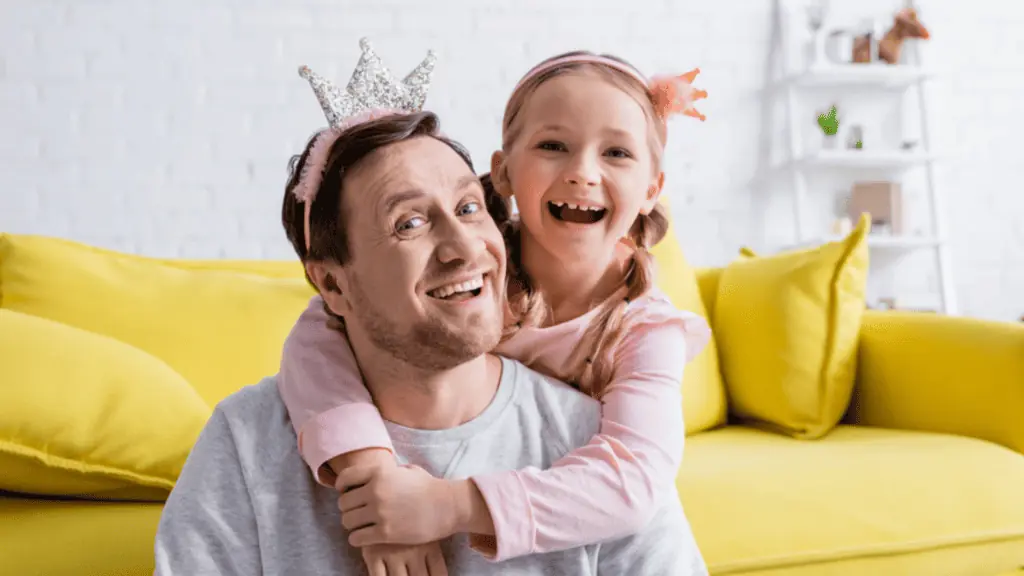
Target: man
409,217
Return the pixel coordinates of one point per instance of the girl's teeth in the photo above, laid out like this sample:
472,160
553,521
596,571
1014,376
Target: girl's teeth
577,206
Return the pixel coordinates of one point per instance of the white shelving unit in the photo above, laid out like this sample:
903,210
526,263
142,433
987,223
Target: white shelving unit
882,78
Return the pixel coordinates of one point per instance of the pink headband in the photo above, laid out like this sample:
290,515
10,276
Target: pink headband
312,173
669,94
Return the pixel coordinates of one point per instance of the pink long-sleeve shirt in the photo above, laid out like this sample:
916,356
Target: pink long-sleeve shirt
605,489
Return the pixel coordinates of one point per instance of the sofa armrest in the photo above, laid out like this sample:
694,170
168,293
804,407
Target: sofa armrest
941,374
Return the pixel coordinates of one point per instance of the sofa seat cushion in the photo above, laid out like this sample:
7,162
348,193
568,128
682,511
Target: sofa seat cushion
858,501
74,538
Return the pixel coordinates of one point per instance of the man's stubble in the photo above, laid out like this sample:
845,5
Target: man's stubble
431,344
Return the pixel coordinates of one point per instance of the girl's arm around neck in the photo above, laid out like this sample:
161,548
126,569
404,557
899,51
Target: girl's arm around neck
332,412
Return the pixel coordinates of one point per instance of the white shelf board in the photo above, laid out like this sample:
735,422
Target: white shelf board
861,75
846,158
895,242
877,241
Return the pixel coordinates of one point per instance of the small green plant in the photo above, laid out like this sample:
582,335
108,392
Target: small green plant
829,122
859,145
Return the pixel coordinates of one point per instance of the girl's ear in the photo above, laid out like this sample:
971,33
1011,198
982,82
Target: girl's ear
653,193
499,175
331,281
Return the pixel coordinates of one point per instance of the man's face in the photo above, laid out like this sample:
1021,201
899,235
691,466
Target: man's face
425,280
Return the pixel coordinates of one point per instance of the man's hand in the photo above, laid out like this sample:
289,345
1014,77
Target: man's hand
391,560
395,505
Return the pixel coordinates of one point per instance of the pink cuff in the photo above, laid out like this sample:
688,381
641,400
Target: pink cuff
341,430
514,527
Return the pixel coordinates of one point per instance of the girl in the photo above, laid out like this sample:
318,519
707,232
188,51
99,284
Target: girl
583,136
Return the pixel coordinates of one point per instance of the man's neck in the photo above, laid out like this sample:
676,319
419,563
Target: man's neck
428,399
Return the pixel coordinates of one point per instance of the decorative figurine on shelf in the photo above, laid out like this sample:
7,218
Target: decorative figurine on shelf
905,25
817,14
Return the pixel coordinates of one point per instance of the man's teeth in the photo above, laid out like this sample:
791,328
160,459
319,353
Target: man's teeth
577,206
468,285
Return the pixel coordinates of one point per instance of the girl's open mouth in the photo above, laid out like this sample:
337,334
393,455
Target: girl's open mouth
565,212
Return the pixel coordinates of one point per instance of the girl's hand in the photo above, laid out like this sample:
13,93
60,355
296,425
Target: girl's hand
394,505
390,560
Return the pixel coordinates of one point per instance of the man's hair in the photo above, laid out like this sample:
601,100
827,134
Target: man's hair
327,223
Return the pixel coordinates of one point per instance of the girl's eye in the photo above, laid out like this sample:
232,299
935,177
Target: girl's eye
469,208
409,224
551,146
619,153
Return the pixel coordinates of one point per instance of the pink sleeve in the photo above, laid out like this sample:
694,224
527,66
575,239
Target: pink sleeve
612,486
323,390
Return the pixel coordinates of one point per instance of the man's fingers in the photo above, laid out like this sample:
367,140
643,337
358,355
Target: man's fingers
357,519
395,564
354,476
352,499
375,566
367,536
436,564
417,566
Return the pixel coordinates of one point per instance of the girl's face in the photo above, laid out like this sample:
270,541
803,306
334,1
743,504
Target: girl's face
581,168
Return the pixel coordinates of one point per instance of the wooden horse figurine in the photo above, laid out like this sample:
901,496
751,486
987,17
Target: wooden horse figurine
905,25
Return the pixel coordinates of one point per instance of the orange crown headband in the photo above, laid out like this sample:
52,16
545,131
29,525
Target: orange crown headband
669,94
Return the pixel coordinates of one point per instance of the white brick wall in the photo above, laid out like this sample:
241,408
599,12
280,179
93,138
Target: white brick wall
164,128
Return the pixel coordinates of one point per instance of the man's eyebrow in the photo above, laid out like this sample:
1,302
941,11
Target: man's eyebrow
398,198
468,181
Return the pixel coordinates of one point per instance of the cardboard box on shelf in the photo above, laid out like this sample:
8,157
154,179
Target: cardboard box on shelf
883,201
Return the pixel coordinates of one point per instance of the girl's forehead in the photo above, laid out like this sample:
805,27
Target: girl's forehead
584,97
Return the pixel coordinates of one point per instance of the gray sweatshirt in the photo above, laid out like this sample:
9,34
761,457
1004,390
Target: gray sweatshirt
246,504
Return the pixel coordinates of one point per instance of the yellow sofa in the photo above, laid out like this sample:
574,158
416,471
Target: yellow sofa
923,476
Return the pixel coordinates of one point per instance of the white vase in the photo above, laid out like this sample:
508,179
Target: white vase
829,142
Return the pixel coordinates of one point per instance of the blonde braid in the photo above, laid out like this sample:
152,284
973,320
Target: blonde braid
594,355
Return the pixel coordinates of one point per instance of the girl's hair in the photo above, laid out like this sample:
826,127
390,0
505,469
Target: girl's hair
592,361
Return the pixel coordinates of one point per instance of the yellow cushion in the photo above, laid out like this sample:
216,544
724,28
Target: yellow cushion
77,538
859,501
787,328
703,392
82,414
220,329
707,279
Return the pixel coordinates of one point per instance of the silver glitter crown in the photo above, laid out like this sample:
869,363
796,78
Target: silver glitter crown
371,87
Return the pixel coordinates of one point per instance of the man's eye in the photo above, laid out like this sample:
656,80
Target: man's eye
469,208
551,145
619,153
409,224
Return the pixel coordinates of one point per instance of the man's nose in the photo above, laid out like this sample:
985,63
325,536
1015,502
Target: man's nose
458,241
582,171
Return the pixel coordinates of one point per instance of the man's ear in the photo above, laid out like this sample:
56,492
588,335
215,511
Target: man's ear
499,176
653,193
330,279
